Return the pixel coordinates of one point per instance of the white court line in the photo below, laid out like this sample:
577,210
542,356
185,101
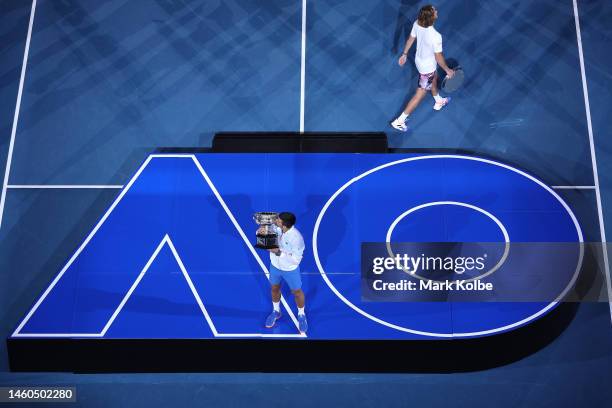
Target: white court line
496,220
80,249
62,186
315,249
243,235
57,335
303,68
587,106
9,158
573,187
166,240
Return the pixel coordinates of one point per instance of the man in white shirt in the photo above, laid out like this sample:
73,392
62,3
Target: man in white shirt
285,265
427,58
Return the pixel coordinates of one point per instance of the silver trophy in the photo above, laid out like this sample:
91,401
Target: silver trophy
266,236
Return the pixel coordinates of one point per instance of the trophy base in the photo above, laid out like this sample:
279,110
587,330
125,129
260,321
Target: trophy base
269,241
261,246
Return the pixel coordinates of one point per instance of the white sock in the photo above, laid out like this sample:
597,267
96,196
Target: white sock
301,311
402,118
276,306
438,98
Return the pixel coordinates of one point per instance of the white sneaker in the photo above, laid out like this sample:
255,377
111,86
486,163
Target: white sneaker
401,126
439,105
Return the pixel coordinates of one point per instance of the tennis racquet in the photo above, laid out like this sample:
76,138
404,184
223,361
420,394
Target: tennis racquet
452,84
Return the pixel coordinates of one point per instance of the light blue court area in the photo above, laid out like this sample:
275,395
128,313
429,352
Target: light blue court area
173,256
108,82
522,96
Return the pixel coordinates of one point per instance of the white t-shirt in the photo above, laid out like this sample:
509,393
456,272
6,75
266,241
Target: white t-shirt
291,245
428,42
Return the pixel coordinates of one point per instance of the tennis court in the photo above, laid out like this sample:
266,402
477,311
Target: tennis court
104,84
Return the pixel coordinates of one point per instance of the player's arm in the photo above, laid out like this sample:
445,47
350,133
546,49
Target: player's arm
442,63
404,56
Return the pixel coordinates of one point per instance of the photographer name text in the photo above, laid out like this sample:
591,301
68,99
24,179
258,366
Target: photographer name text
431,285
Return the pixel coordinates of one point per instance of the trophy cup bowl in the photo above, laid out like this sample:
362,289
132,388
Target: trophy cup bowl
266,237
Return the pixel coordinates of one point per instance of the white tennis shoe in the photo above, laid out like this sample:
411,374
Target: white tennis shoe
439,105
399,125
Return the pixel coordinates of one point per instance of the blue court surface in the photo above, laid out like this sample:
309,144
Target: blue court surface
172,256
101,237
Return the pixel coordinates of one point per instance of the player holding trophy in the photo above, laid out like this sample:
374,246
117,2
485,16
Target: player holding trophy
285,265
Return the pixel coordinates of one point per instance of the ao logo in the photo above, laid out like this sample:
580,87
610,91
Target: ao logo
489,321
152,207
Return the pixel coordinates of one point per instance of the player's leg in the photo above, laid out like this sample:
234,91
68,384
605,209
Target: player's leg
276,295
400,122
434,86
440,102
275,280
414,101
300,299
424,84
294,280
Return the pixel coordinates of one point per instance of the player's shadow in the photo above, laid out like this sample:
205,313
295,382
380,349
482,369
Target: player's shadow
403,24
244,208
329,248
310,271
453,63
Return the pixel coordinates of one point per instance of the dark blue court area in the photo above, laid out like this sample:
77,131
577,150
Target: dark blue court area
170,258
103,236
